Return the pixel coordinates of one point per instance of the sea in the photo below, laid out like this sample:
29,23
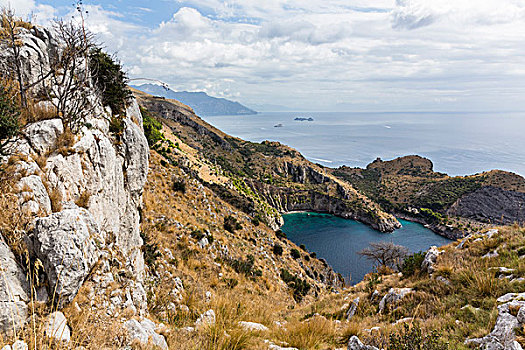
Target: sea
457,144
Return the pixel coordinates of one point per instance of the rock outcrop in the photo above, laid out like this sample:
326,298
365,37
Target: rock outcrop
145,333
511,316
393,296
355,344
14,291
84,189
430,259
69,244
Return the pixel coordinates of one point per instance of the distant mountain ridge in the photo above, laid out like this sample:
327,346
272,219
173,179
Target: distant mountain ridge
202,103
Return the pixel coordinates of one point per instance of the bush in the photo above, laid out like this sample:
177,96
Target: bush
245,266
313,255
412,264
179,186
303,247
152,127
116,127
150,250
277,249
300,287
413,339
295,253
110,80
231,224
9,119
280,234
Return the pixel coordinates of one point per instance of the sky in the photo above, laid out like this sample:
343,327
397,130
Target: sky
318,55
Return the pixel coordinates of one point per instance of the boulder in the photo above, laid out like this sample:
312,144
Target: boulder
393,296
17,345
68,244
430,260
33,195
353,308
145,332
14,291
42,135
56,327
252,326
355,344
207,319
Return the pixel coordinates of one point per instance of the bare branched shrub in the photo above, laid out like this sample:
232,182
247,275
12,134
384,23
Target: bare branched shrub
385,253
11,27
67,85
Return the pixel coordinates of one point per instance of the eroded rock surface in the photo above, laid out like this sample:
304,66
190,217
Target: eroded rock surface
14,291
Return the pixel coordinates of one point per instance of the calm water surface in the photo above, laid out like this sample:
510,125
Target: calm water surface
457,143
338,240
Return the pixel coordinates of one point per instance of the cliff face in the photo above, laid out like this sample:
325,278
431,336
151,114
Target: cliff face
83,189
491,205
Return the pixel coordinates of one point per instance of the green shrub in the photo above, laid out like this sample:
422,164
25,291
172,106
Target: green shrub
179,185
303,247
245,266
277,249
413,339
299,286
412,264
9,119
313,255
116,127
280,234
152,127
295,253
231,224
150,250
110,80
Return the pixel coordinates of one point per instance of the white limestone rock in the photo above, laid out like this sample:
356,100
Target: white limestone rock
393,296
68,243
353,309
207,319
252,326
355,344
42,135
14,292
430,259
56,327
33,195
145,332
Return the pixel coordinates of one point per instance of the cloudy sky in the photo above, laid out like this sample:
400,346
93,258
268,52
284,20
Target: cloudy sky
355,55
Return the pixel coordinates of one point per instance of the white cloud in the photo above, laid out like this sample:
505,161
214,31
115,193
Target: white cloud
370,54
28,8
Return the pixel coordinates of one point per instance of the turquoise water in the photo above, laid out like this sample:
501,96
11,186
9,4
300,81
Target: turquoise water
338,240
457,143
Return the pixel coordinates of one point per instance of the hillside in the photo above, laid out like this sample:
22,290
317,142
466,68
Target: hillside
200,102
408,187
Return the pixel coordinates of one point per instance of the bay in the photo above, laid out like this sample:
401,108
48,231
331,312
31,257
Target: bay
338,240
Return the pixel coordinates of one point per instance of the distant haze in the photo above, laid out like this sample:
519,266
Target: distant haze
332,55
201,103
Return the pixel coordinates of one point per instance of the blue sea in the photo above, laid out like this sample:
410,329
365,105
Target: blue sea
338,240
457,143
